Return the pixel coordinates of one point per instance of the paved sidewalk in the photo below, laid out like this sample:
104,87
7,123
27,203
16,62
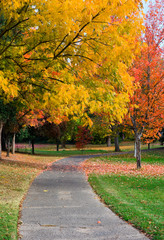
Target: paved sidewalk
61,205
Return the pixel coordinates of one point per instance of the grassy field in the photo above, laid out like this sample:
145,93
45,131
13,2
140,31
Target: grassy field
64,153
135,195
50,149
16,175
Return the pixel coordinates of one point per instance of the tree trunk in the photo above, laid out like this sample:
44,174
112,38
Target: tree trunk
13,144
63,144
57,145
138,149
135,148
3,141
1,127
33,147
8,147
116,141
148,146
138,135
123,136
108,141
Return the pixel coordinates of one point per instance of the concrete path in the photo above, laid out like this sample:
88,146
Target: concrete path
61,205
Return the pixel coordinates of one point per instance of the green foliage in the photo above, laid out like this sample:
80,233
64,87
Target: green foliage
97,139
22,135
7,110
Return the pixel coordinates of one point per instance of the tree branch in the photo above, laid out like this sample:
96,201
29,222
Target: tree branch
15,25
56,79
77,35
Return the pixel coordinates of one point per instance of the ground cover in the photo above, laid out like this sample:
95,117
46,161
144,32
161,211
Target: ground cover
16,175
50,149
135,195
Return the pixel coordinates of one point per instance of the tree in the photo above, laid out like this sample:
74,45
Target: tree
83,137
7,114
35,39
147,104
100,129
39,53
53,131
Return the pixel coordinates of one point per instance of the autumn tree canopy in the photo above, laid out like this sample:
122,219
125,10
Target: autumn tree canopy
64,57
147,104
40,36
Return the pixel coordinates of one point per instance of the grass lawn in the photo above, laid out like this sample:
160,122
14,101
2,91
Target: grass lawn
71,150
63,153
135,195
16,175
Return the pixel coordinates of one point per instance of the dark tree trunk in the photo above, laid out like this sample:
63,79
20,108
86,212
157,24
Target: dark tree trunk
8,147
3,141
108,141
148,146
116,141
1,127
33,147
57,145
63,144
138,149
13,144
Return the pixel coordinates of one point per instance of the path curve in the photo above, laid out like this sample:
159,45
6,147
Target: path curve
60,204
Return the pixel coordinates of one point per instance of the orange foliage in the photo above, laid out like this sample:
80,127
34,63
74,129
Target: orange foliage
147,103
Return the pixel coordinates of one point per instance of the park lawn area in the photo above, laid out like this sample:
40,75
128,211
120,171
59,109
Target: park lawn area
50,149
16,174
135,195
64,153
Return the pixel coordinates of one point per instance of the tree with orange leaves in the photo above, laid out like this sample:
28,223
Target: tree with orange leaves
146,110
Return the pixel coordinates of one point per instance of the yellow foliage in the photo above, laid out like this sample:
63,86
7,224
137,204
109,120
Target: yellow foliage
70,55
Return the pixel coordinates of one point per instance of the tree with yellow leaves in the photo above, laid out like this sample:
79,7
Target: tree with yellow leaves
40,37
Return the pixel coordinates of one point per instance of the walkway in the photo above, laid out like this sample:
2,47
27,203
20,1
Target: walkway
61,205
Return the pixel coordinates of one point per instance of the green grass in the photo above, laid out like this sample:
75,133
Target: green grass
50,149
63,153
8,220
129,146
137,199
152,157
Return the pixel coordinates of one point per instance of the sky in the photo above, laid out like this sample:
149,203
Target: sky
145,4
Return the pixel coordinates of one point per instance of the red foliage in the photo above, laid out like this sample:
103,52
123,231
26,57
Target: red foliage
147,103
83,137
